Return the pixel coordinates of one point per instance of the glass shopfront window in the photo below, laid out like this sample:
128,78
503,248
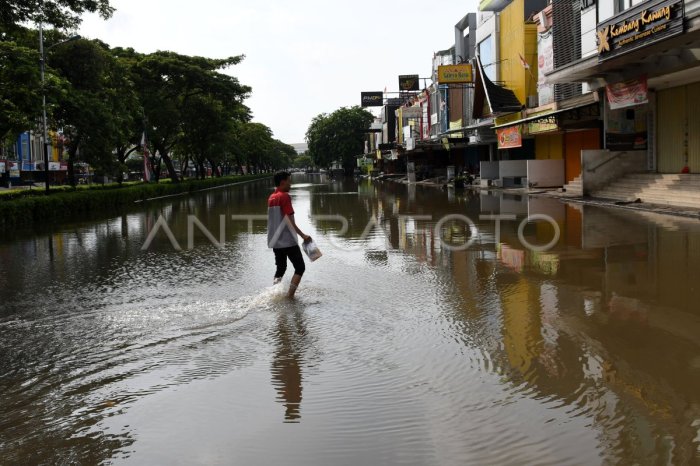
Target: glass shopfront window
487,52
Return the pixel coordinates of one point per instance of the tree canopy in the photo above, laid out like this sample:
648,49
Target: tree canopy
61,14
339,136
104,100
19,81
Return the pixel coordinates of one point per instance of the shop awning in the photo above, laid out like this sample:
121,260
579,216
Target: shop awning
500,99
571,104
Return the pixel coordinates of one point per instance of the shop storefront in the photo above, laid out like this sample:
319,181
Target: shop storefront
678,129
657,106
558,135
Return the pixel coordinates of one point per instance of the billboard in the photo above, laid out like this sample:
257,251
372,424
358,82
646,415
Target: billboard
545,64
510,137
409,82
372,99
455,74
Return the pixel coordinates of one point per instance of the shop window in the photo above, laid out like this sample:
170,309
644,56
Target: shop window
487,53
622,5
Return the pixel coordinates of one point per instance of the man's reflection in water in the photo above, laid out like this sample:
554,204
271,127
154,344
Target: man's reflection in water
292,341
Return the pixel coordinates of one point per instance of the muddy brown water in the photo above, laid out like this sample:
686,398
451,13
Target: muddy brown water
402,347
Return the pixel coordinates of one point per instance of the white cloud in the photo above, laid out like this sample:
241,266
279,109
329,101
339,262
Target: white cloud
302,58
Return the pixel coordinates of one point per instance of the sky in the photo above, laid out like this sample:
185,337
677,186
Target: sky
303,57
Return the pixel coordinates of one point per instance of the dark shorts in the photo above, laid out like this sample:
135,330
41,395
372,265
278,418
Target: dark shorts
294,255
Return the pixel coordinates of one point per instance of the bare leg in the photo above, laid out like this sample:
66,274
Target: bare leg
296,279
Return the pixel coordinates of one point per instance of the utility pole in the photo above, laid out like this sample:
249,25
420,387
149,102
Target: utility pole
43,105
44,120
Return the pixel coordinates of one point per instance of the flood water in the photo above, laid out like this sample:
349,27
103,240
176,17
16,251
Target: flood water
401,347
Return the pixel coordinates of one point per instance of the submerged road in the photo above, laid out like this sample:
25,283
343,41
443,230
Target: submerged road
401,348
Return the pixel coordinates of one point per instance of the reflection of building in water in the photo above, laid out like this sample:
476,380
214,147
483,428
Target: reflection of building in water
291,341
608,321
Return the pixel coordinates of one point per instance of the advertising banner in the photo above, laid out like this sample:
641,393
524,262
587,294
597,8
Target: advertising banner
510,138
409,82
54,166
545,64
14,169
372,99
627,93
2,167
455,74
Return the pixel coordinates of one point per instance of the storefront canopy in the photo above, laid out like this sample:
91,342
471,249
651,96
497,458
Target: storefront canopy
500,99
572,104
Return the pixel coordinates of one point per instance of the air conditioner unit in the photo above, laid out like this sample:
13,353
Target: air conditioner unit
533,101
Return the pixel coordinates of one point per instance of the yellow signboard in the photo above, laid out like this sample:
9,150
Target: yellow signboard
544,124
455,74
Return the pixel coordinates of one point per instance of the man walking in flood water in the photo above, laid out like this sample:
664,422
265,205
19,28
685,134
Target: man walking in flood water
282,232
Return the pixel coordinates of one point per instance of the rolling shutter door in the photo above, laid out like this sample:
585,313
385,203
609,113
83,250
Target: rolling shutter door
693,96
676,114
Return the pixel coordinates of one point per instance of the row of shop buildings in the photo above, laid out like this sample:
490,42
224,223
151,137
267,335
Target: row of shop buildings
543,93
27,162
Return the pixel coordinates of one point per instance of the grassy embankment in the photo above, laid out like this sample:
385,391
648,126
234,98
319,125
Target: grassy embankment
21,209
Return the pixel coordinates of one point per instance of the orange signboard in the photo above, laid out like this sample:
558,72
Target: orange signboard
510,137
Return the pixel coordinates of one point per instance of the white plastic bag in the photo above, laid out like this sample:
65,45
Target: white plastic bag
312,250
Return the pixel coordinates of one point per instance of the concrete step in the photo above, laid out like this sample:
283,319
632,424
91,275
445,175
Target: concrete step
670,184
575,185
669,177
653,192
661,189
665,189
651,200
663,200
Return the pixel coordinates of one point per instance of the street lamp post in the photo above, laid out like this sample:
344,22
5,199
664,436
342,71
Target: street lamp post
44,121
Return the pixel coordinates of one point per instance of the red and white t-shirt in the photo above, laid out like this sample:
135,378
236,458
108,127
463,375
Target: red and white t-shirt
280,233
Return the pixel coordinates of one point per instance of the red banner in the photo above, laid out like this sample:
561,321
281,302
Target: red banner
509,138
628,93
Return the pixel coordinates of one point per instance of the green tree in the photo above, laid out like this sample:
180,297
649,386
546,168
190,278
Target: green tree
127,121
205,125
20,86
167,82
255,143
339,136
303,161
88,109
62,14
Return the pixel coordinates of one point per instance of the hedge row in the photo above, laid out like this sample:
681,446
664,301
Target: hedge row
81,204
36,191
